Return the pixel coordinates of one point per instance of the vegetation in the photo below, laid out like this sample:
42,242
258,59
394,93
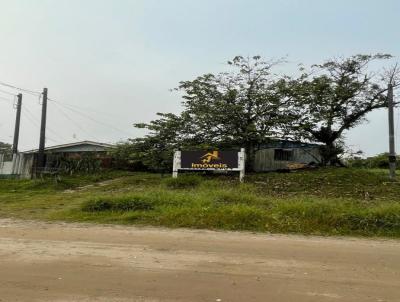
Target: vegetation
86,164
6,149
185,182
326,201
335,97
131,203
380,161
250,104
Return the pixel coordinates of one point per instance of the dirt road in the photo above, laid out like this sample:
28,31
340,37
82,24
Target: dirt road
74,262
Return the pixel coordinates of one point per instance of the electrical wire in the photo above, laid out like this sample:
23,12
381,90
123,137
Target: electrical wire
30,117
9,93
74,122
36,123
28,112
70,107
91,118
21,89
105,114
5,99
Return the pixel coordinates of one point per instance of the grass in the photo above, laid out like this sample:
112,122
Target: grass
332,201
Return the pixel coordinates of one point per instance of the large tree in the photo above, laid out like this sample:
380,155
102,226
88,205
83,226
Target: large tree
249,104
336,96
242,107
238,108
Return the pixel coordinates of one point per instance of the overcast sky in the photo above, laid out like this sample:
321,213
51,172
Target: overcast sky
111,63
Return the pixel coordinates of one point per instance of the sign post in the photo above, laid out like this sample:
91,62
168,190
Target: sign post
177,164
210,161
241,163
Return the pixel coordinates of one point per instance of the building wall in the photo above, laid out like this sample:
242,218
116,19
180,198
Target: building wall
21,166
265,159
6,168
53,158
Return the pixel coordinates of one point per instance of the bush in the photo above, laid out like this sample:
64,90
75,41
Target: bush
183,182
133,204
118,204
380,161
97,205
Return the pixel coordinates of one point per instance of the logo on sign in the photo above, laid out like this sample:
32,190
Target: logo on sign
210,160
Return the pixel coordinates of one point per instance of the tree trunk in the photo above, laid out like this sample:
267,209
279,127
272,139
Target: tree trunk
329,153
250,156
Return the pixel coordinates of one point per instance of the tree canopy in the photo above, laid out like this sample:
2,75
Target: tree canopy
335,97
250,104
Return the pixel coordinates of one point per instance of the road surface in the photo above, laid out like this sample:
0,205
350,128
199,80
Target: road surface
78,262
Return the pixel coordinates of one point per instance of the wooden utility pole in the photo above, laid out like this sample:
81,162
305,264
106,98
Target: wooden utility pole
17,124
392,152
42,140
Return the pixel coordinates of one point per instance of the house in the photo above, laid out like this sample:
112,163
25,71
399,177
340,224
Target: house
77,150
284,154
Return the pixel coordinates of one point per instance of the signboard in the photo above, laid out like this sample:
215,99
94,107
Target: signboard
204,160
209,160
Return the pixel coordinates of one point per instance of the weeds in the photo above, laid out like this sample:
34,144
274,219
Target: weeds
183,182
130,203
324,201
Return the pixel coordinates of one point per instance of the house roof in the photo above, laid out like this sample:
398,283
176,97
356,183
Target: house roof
72,145
285,143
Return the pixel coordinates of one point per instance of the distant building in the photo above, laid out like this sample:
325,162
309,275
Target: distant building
77,150
285,154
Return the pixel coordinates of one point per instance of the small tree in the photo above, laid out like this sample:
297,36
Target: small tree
336,97
155,150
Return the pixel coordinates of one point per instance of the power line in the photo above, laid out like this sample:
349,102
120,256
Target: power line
9,93
4,99
36,123
21,89
31,116
70,107
107,114
91,118
74,122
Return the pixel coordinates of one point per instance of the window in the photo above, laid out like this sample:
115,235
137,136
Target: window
283,154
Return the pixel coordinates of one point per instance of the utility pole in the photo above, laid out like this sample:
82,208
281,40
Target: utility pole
41,159
392,153
17,123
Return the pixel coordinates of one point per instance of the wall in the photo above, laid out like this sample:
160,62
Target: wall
21,165
5,167
264,159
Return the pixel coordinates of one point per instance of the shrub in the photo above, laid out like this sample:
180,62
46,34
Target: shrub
134,204
123,204
183,182
97,205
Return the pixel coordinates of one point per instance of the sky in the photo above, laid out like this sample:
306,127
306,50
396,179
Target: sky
108,64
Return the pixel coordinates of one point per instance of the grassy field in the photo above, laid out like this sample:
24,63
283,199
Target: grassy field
334,201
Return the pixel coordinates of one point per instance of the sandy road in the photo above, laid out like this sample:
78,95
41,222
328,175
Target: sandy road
74,262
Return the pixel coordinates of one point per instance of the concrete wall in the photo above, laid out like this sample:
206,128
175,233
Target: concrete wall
20,166
5,167
265,159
